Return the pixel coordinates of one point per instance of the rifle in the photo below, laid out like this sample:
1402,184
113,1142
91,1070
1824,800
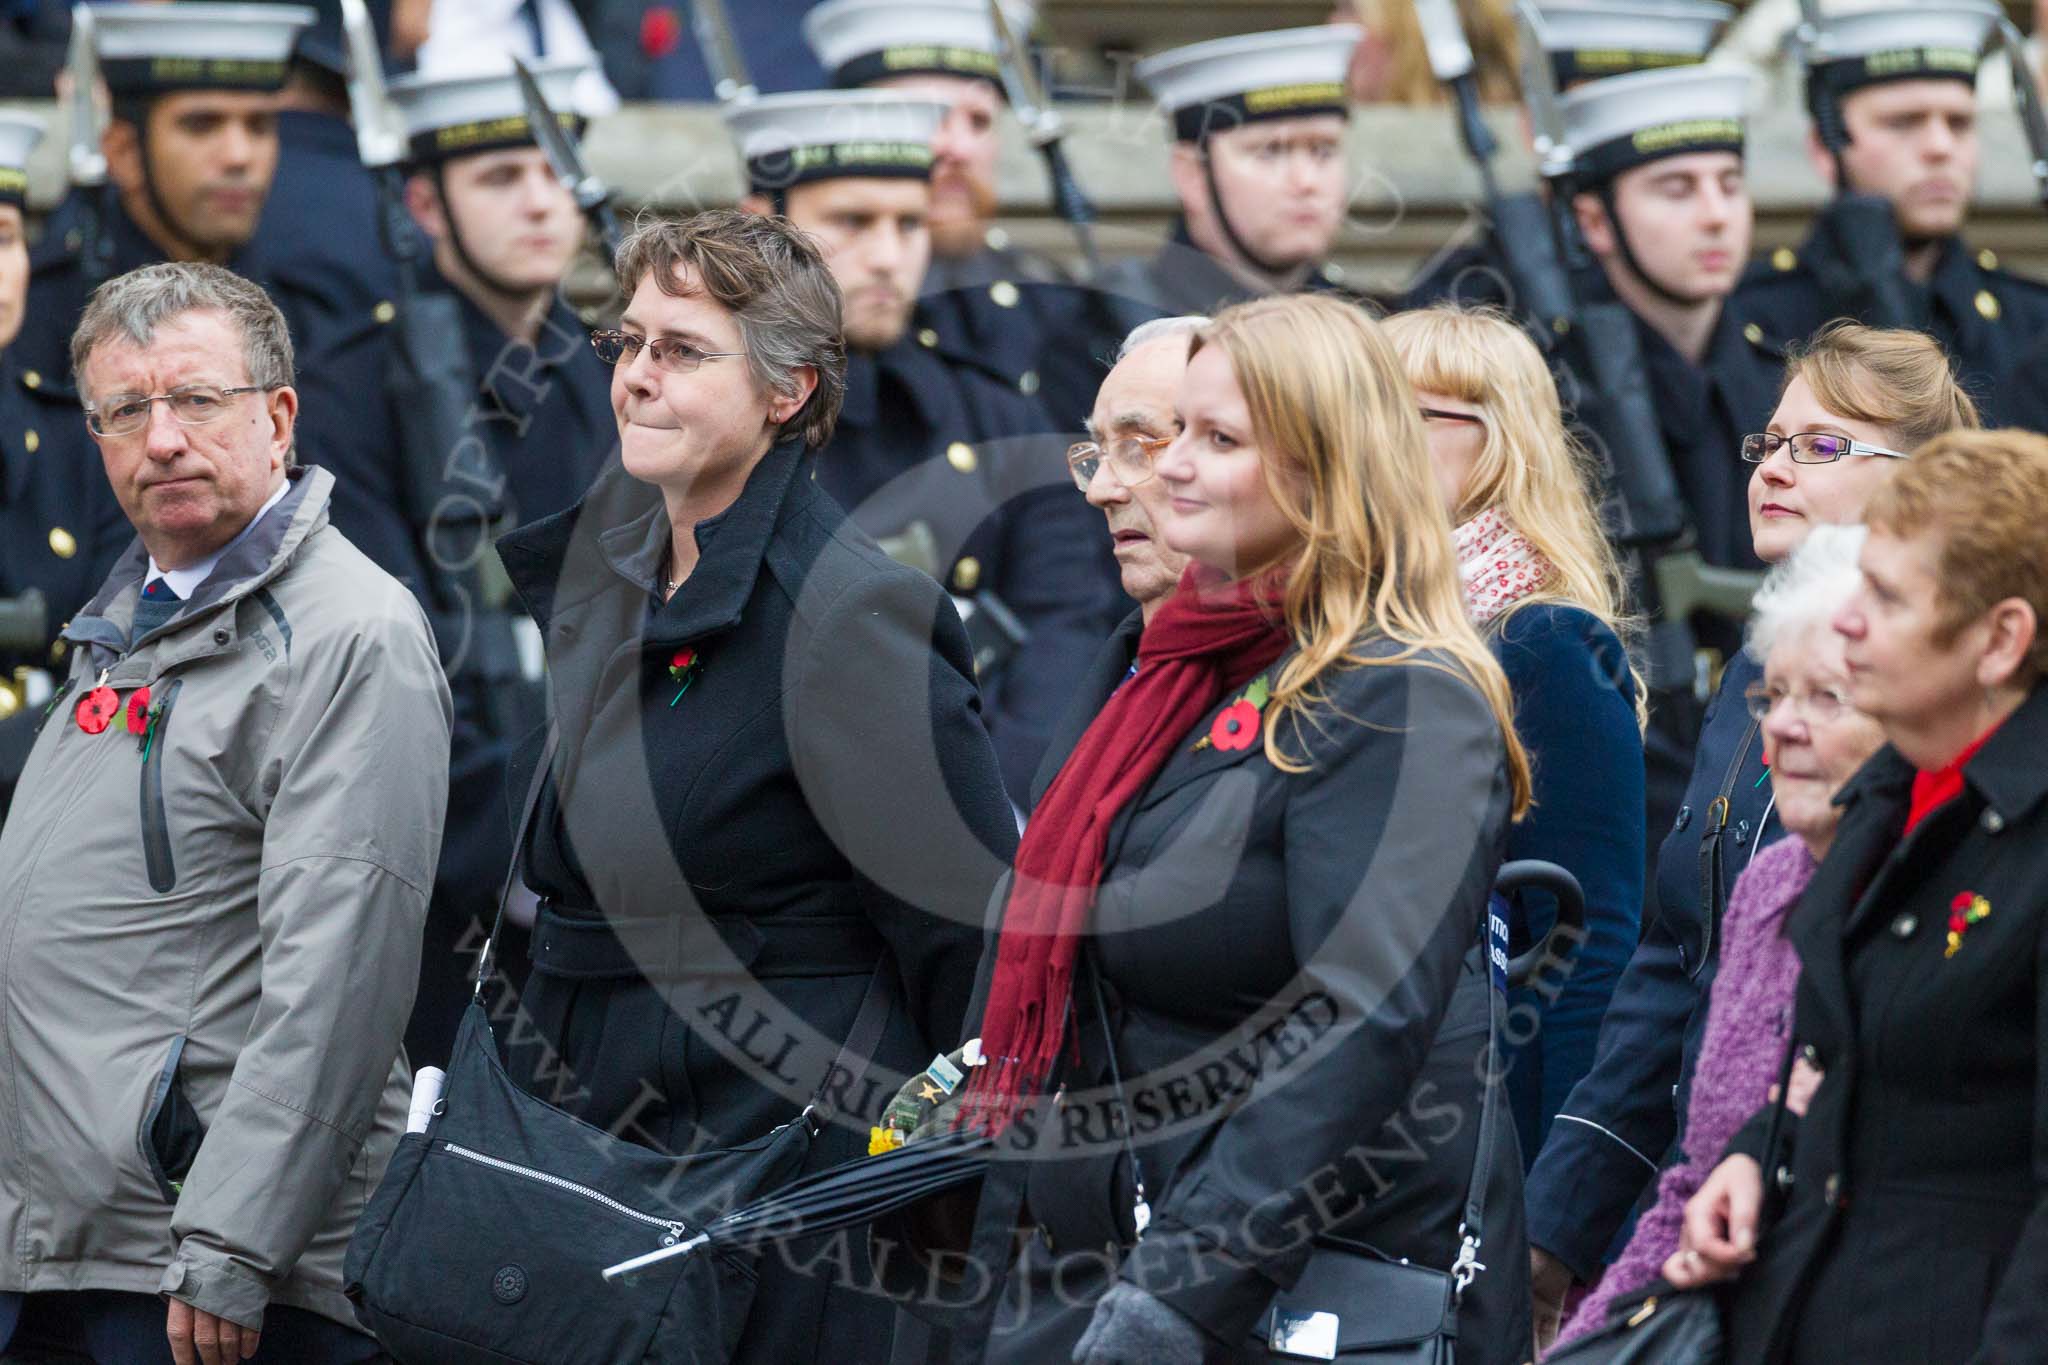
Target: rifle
2026,99
445,468
1670,578
1865,269
1043,125
565,158
85,163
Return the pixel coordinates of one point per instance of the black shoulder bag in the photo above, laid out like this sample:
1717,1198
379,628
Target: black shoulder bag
484,1242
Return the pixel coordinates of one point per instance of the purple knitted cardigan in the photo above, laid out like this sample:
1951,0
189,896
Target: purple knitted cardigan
1749,1022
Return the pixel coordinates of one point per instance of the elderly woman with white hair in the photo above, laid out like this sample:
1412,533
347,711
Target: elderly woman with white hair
1814,740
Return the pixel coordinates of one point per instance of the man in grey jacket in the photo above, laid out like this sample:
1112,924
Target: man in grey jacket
214,874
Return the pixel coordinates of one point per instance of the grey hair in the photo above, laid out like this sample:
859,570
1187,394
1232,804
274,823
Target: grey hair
1159,329
131,307
1808,588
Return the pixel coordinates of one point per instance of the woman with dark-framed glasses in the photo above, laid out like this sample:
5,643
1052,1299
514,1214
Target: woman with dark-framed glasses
1856,386
773,802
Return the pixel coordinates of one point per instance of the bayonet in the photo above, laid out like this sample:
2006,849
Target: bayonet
1043,125
86,163
380,141
2026,100
722,56
1539,94
593,197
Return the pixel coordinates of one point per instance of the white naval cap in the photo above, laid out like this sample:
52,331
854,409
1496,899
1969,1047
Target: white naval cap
862,41
1592,39
1622,122
1217,85
1928,40
455,113
151,49
790,139
19,134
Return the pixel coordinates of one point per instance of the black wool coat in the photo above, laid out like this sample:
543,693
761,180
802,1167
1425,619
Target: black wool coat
1319,927
727,862
1916,1231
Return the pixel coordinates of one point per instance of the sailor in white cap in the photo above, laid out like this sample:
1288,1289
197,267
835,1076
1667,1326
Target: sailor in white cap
1258,166
927,448
1892,94
531,403
190,152
1666,212
1583,40
60,527
983,298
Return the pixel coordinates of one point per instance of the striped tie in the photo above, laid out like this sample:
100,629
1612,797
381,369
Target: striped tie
156,606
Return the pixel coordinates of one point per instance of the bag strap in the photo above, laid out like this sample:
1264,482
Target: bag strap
526,809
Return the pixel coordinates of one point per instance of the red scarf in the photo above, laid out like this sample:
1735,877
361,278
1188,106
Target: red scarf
1209,638
1935,788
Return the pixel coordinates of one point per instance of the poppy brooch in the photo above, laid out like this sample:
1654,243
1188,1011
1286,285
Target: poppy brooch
683,666
1237,724
1964,912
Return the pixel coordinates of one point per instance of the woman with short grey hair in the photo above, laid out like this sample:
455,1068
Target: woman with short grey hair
1814,741
774,793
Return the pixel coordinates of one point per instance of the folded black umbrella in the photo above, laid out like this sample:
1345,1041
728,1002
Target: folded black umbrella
844,1196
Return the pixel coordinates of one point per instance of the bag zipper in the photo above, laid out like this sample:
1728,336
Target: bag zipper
672,1230
156,828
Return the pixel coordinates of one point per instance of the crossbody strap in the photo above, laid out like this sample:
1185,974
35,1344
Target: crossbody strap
520,831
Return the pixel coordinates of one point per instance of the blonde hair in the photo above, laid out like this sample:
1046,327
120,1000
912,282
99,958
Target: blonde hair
1894,378
1489,26
1985,495
1348,467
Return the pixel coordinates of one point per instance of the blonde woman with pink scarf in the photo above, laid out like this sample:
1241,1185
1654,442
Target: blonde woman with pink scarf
1543,587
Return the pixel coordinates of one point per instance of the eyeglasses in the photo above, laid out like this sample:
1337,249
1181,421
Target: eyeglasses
1129,458
670,353
195,405
1808,447
1820,703
1442,416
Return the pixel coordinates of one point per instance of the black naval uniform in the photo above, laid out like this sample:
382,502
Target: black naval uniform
60,532
996,310
954,447
545,414
1983,315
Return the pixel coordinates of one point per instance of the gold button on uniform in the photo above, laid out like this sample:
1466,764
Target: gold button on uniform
32,378
384,311
1987,305
1027,383
58,648
1988,259
927,338
1004,293
30,441
967,573
960,455
1752,333
1784,258
62,543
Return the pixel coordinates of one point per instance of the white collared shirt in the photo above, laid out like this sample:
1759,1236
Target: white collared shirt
186,580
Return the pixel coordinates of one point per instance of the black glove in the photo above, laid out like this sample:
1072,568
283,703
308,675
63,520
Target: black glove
1861,264
1130,1327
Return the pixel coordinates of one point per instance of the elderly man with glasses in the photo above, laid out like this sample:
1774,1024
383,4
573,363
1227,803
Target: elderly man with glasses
217,869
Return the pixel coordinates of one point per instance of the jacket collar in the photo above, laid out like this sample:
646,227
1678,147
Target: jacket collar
102,624
615,536
863,398
2007,772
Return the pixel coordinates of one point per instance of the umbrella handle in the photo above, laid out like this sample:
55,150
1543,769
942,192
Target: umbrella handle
625,1269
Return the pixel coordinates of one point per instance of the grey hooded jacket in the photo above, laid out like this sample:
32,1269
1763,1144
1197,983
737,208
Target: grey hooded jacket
209,933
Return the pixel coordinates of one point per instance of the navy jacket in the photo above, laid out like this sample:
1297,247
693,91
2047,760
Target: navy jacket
949,445
1621,1121
1982,315
1575,711
60,532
